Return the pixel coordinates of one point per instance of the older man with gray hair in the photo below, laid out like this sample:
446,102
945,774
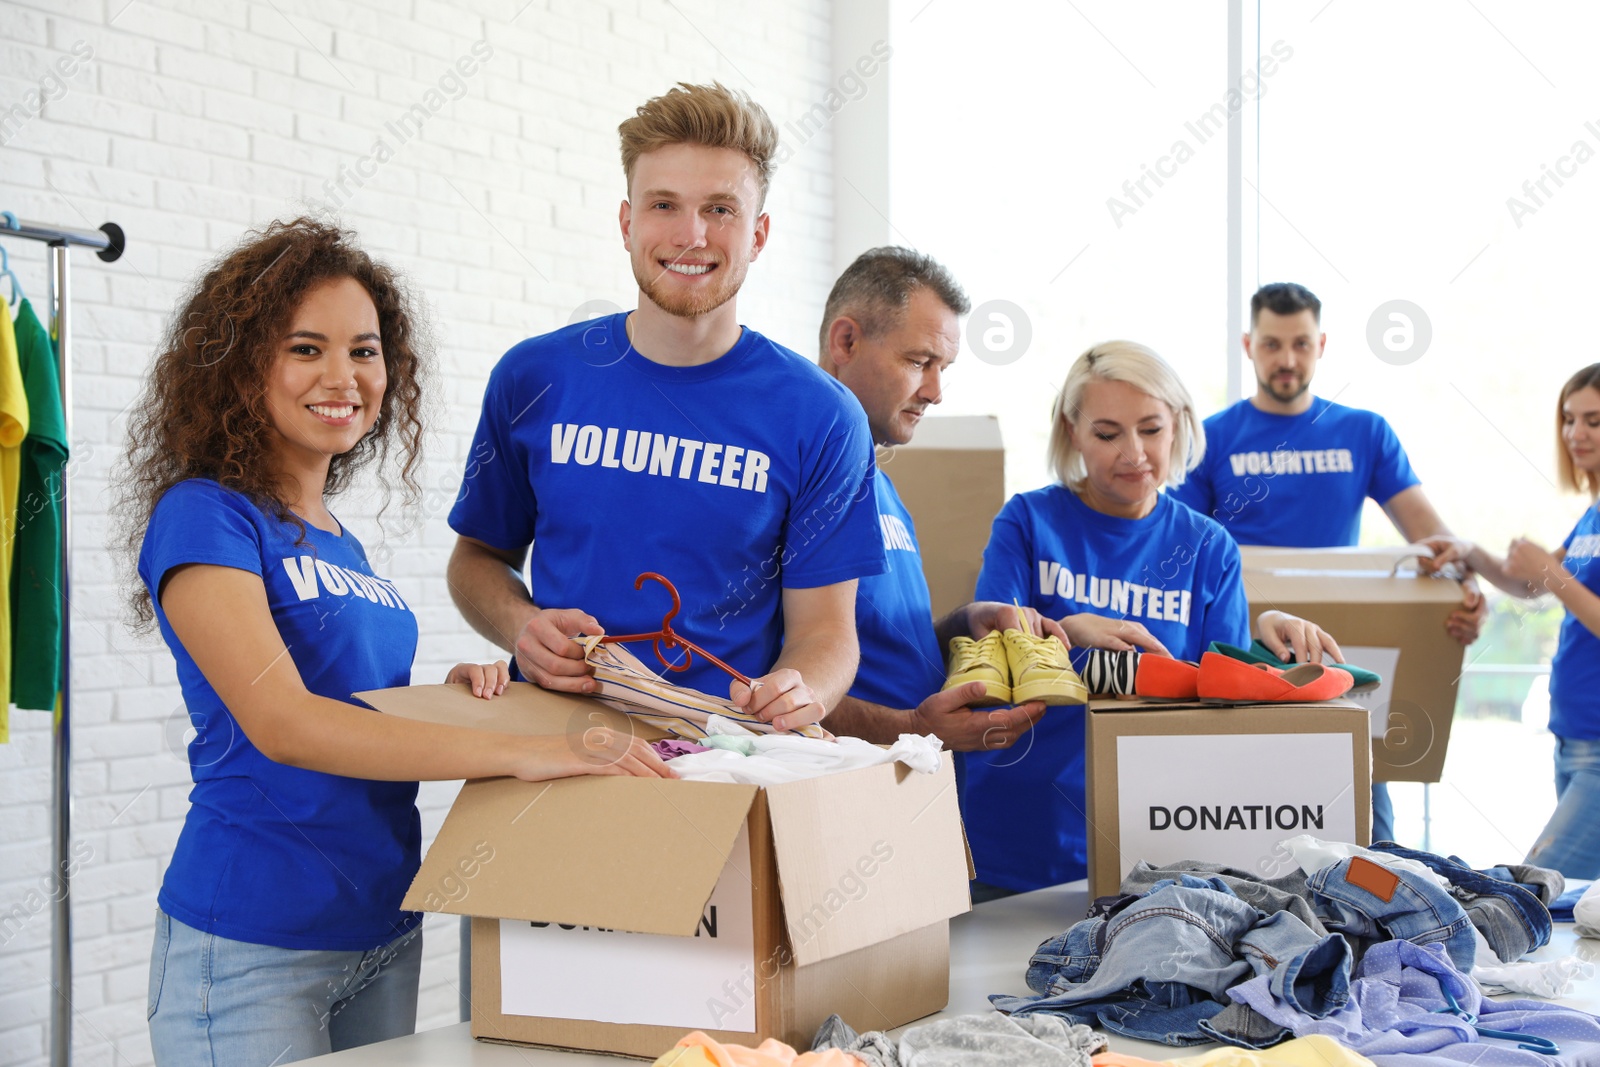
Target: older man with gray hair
889,333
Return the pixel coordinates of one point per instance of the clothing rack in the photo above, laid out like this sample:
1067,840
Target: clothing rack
108,242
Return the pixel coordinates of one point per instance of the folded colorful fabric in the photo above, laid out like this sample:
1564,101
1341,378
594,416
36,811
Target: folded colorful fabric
1316,1050
699,1050
629,686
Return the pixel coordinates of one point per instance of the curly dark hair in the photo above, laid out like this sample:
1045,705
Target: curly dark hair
203,411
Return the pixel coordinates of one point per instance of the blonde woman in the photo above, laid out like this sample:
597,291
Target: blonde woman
1121,565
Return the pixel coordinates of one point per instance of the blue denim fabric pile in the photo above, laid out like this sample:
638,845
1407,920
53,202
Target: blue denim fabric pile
1376,956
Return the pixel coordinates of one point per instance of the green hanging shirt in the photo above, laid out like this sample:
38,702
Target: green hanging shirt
36,559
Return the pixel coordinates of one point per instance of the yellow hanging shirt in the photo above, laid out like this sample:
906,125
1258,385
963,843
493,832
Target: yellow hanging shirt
13,428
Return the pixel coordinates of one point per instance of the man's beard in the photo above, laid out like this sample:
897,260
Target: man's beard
689,305
1286,393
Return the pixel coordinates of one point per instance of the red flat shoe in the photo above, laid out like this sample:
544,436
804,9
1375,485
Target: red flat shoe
1165,678
1224,678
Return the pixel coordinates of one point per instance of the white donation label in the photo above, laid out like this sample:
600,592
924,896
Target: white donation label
704,982
1229,798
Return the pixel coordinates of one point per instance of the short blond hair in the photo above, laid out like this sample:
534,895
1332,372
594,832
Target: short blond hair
1571,477
710,115
1140,367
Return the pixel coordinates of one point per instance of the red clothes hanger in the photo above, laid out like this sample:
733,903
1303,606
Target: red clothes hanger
666,638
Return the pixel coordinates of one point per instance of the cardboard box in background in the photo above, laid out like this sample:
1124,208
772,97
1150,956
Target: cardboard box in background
1169,781
1354,594
616,914
952,479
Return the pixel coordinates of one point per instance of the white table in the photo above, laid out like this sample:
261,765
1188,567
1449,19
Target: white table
989,951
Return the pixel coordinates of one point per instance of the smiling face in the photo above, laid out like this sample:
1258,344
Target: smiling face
692,226
327,381
897,374
1285,350
1580,428
1125,437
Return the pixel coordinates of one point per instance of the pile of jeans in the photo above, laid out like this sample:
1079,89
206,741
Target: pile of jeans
1193,952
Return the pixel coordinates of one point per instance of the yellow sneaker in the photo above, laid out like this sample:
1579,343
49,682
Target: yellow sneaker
1040,670
980,661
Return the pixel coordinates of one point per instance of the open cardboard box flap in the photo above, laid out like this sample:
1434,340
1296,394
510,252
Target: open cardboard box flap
652,850
895,853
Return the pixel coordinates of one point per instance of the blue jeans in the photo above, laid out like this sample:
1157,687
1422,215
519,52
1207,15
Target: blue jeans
1570,841
221,1003
1382,812
1160,967
1511,917
1414,909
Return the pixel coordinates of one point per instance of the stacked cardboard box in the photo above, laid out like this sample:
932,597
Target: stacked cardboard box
1387,616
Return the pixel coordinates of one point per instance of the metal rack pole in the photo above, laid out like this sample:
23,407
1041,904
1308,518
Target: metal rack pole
61,765
108,242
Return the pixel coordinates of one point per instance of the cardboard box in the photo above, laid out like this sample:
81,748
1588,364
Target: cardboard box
1390,622
952,479
1170,782
615,914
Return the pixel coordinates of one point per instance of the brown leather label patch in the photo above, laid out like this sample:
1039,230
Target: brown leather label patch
1375,878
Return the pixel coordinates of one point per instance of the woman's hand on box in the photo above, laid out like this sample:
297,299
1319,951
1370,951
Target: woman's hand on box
588,750
486,680
1284,633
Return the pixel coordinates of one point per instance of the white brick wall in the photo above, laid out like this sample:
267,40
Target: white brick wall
195,119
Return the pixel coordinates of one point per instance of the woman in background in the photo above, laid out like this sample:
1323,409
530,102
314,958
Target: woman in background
1570,841
295,364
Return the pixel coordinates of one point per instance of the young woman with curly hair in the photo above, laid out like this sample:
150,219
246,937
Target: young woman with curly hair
294,364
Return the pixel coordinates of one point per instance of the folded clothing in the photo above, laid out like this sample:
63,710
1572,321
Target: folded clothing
733,754
699,1050
990,1040
1586,912
669,748
1313,1051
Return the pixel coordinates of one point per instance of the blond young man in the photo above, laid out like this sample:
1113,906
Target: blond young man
671,439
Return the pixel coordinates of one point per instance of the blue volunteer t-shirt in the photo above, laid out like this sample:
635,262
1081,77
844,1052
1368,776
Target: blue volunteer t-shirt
901,663
1296,481
1175,571
1575,668
735,479
272,854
